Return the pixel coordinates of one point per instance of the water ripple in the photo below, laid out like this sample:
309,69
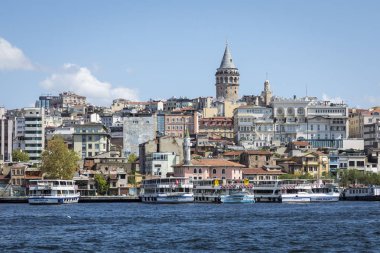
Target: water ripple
136,227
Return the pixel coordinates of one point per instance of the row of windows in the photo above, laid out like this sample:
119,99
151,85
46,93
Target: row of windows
33,125
33,138
92,130
90,138
33,132
177,119
330,111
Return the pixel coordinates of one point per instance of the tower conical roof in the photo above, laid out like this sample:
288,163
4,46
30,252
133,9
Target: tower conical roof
227,62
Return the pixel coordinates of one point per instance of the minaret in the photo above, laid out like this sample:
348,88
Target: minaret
267,93
186,149
227,78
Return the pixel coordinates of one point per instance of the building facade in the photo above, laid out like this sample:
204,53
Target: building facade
6,136
178,121
160,164
137,129
219,126
253,126
34,132
91,139
209,168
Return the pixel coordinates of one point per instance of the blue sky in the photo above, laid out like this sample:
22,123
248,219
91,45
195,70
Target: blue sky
158,49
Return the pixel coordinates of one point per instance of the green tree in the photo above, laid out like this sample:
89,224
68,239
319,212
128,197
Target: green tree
19,156
132,158
352,177
101,184
59,162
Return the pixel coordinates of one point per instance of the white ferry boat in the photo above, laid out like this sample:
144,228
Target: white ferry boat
306,191
45,192
362,193
267,190
223,191
170,190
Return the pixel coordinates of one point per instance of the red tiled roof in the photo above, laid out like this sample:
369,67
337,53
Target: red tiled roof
216,119
259,171
234,153
257,152
301,143
213,163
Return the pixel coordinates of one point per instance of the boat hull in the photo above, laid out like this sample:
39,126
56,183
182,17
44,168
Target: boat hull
168,199
307,198
243,198
52,200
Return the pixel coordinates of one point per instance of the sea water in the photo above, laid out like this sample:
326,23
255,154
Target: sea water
137,227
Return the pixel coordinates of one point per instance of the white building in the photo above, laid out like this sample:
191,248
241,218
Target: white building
160,164
53,121
137,129
253,126
34,134
290,118
322,123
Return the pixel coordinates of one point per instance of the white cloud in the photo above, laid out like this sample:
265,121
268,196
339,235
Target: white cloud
336,100
81,81
12,58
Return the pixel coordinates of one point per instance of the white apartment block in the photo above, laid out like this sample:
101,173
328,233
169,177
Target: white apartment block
253,126
322,123
327,121
34,132
290,118
160,164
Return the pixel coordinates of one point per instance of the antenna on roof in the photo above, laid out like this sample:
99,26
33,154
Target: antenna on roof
306,89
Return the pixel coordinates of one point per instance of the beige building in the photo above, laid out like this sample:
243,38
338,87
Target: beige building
162,144
91,139
178,121
256,158
70,99
315,163
358,118
219,126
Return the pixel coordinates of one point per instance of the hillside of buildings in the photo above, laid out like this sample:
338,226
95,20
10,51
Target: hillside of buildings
260,136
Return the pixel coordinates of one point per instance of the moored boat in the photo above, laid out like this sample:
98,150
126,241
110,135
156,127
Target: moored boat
366,193
44,192
223,191
170,190
306,191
